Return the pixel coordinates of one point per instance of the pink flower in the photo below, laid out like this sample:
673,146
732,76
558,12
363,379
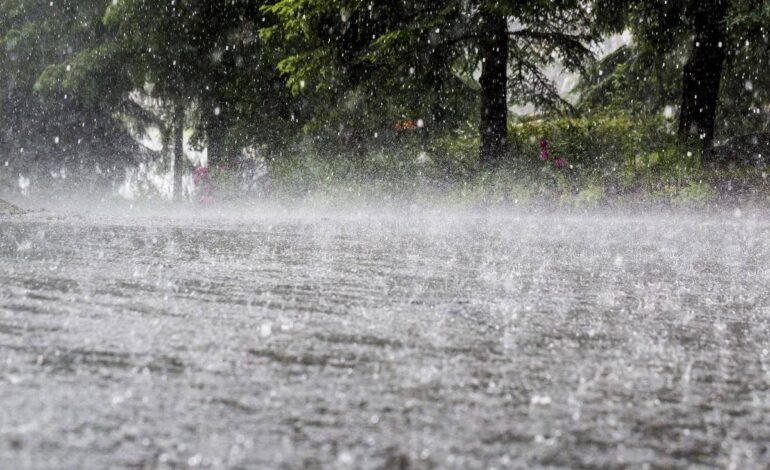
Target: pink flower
558,163
200,174
543,143
544,155
208,193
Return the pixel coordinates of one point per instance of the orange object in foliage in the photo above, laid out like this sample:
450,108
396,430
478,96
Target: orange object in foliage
405,125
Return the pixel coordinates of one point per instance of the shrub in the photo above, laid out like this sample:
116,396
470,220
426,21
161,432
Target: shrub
616,149
589,197
696,193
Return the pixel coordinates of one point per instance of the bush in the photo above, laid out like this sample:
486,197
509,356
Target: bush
589,197
696,193
455,155
606,156
614,149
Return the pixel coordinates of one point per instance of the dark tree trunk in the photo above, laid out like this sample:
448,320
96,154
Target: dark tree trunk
438,109
216,150
178,150
703,72
494,88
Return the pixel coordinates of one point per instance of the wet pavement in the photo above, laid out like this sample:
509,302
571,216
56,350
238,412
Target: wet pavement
348,340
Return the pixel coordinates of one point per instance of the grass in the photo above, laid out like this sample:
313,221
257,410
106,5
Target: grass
413,178
611,160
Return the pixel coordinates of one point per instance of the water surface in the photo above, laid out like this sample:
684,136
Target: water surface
398,340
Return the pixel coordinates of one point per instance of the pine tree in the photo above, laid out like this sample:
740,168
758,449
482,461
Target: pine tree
201,60
40,133
340,46
722,87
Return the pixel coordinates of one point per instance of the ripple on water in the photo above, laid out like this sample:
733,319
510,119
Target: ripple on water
377,343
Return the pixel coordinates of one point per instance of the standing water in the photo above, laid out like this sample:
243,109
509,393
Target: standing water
347,340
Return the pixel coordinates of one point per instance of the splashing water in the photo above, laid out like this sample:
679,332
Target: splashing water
293,338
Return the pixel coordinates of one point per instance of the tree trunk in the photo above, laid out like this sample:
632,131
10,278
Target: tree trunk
703,72
438,109
179,156
216,157
494,88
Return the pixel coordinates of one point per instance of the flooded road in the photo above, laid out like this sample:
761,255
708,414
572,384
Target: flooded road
446,340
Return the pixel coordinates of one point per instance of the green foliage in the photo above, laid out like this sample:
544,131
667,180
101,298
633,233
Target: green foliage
40,131
646,77
597,146
454,153
745,96
417,59
589,197
320,84
204,54
696,193
84,77
632,79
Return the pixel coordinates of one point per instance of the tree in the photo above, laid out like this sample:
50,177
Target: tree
342,45
204,62
722,87
745,96
40,132
210,56
179,157
494,52
155,40
702,73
